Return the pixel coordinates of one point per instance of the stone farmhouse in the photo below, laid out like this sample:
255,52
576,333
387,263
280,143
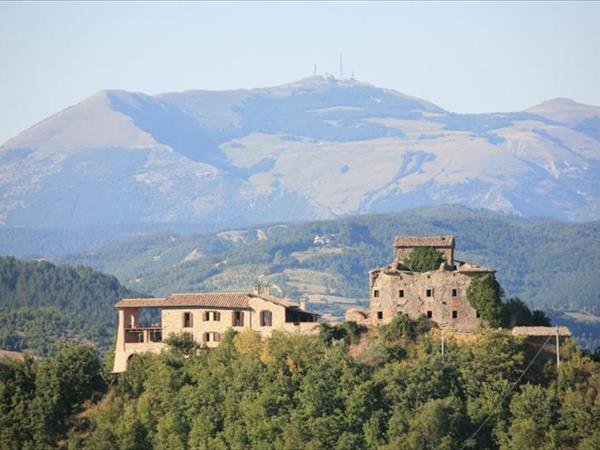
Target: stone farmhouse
206,316
440,294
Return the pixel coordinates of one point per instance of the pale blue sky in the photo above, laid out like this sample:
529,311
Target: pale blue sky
465,57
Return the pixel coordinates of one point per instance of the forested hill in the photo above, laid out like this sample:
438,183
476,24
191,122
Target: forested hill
343,388
42,304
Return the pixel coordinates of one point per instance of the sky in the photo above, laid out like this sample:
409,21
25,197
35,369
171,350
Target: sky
465,57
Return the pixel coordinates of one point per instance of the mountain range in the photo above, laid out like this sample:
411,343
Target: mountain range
317,148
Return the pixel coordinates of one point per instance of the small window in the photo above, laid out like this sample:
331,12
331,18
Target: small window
205,337
429,293
477,314
238,318
401,293
187,320
380,315
155,336
217,337
454,292
455,314
266,318
429,314
205,316
216,316
376,293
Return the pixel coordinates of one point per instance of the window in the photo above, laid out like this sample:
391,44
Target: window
380,314
187,320
429,314
429,293
238,318
155,335
455,314
266,318
217,337
205,337
401,293
477,314
376,293
205,316
454,292
216,316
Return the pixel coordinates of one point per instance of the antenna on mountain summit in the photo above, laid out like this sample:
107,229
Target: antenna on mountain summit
341,67
315,69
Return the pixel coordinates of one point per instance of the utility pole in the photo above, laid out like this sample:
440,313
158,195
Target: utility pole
557,348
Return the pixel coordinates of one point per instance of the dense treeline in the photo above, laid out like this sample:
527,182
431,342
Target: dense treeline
344,388
38,397
42,304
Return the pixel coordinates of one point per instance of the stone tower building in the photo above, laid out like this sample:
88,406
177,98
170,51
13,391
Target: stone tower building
439,294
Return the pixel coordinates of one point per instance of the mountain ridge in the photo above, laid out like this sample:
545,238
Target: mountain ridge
312,149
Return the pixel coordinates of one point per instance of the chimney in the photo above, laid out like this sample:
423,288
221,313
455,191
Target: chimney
259,289
304,303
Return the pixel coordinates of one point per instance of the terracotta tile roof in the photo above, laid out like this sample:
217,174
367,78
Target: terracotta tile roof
140,302
208,299
285,302
424,241
540,331
216,299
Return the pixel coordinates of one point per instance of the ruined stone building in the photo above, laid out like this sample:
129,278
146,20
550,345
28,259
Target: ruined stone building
438,294
206,316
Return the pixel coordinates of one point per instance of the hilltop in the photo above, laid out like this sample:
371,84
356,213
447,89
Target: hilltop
343,388
549,264
317,148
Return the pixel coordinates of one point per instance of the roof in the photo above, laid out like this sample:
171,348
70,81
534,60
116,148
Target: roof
541,331
208,299
285,302
462,266
424,241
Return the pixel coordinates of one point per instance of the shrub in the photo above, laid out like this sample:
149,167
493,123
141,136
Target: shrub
424,259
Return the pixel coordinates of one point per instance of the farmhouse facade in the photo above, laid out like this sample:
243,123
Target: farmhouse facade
440,295
207,316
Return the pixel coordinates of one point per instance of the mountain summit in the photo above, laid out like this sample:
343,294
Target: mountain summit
315,148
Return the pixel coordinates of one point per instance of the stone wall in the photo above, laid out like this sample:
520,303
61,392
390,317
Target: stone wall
172,322
441,295
404,245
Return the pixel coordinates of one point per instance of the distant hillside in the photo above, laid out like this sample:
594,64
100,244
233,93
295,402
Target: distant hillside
317,148
42,305
549,264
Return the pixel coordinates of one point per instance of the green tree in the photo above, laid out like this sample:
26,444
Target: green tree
438,424
424,259
515,313
485,295
183,344
532,418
